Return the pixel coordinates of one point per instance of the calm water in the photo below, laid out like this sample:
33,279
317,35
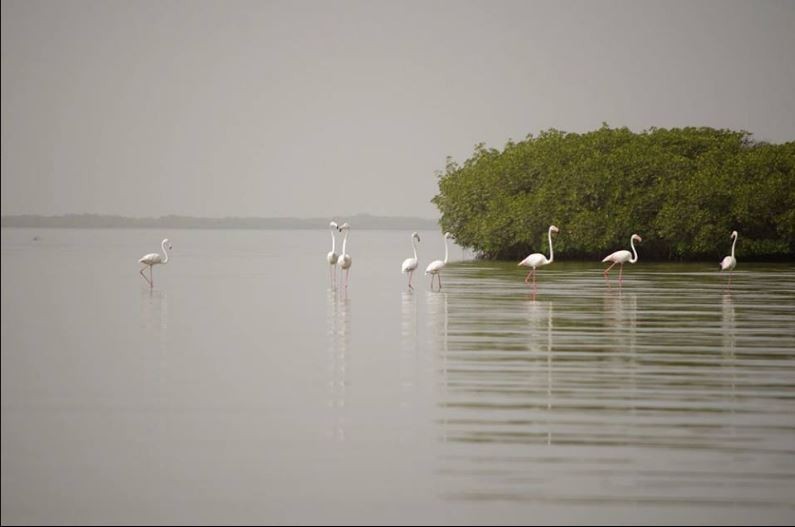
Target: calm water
243,389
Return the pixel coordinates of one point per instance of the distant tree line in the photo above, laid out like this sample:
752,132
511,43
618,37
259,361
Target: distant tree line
683,190
105,221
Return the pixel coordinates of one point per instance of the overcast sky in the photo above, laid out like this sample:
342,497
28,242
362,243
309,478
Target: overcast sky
330,108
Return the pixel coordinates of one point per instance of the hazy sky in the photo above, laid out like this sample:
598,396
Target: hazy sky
331,108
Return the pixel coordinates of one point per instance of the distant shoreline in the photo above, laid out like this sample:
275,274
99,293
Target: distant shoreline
103,221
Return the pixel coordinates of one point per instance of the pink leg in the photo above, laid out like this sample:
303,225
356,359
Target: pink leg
141,272
440,281
527,278
347,277
621,273
151,277
608,269
411,275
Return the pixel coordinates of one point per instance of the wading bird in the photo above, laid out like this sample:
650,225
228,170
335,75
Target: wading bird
332,256
622,257
537,259
153,259
345,259
730,262
435,266
410,264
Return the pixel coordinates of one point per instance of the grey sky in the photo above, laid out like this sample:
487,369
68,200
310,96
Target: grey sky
327,108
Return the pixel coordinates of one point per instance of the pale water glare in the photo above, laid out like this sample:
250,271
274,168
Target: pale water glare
243,389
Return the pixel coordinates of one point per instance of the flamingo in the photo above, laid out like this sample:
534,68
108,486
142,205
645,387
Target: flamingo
537,259
332,256
622,257
345,259
435,266
410,264
730,262
153,259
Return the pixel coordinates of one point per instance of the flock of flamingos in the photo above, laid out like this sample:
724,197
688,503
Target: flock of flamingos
534,261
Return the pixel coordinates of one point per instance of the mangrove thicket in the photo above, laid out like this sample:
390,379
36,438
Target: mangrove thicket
683,190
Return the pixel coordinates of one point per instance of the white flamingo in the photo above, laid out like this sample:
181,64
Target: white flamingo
730,262
153,259
332,256
539,260
410,264
345,259
622,257
435,266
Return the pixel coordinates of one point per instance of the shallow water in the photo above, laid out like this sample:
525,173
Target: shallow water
244,389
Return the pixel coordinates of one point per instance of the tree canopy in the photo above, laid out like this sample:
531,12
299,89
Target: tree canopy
683,190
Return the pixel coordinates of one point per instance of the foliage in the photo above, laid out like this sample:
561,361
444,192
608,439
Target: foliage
683,190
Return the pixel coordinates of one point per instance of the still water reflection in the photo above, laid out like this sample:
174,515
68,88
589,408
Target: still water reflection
668,390
243,389
339,333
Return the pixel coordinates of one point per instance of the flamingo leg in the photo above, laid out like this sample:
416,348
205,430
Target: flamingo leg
440,280
347,277
620,273
151,277
608,269
141,272
527,278
411,275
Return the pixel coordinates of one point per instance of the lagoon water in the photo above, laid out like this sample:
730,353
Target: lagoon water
244,389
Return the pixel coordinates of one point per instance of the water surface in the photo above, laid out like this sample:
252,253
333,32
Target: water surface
244,389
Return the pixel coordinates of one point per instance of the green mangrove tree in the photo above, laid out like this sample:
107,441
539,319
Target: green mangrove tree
683,190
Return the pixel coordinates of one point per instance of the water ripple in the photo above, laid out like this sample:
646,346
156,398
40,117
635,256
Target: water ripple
675,387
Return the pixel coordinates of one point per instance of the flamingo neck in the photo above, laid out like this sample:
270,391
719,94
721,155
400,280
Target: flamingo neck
733,244
344,243
634,252
414,246
165,254
445,251
333,241
551,254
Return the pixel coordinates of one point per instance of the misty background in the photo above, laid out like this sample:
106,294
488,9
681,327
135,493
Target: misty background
320,109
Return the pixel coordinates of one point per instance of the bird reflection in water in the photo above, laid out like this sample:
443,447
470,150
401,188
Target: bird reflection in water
437,316
620,311
154,310
729,336
154,321
540,316
338,317
408,366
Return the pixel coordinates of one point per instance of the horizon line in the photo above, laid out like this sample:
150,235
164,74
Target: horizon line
172,215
